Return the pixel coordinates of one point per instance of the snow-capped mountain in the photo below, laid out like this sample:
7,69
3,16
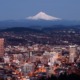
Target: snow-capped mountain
37,21
42,16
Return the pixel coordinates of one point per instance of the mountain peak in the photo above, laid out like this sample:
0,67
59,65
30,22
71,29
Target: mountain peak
41,13
43,16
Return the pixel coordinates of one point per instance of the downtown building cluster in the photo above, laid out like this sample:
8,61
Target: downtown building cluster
32,62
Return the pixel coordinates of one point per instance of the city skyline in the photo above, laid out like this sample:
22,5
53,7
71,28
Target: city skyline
39,39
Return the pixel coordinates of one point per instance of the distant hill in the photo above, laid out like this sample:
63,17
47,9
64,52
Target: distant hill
20,29
51,28
38,24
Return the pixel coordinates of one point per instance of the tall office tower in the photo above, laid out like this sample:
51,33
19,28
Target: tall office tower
73,52
1,47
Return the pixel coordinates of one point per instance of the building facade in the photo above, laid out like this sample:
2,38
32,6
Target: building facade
1,47
73,52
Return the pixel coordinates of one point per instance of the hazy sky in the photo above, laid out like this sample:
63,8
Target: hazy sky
20,9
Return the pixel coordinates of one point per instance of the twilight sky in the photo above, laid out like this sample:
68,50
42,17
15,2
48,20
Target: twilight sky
20,9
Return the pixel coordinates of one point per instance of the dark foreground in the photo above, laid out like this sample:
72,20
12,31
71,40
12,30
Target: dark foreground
62,77
52,77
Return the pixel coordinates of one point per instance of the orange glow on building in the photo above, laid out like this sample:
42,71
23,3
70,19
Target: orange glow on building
1,47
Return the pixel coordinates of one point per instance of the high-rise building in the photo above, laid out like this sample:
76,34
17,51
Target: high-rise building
1,47
73,52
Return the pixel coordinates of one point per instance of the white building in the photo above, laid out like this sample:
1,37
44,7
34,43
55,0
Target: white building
73,52
53,57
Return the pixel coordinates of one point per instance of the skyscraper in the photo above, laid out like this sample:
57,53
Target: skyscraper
1,47
72,50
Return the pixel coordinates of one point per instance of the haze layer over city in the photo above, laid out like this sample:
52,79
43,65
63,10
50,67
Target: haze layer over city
39,39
